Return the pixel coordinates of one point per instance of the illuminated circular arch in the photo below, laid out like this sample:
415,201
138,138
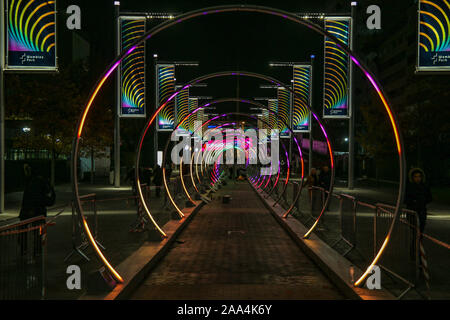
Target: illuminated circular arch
144,131
237,8
251,102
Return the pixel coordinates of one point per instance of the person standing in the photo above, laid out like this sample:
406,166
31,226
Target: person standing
38,194
325,178
418,195
157,179
311,181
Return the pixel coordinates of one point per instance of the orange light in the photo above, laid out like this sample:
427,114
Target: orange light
180,213
182,180
100,254
374,262
147,210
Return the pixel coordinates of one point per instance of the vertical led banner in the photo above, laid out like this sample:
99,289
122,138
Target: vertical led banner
193,104
30,35
260,124
336,69
200,119
265,118
182,108
132,68
434,35
273,118
302,98
165,88
284,112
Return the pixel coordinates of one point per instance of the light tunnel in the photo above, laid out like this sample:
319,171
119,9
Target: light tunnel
224,74
254,103
238,8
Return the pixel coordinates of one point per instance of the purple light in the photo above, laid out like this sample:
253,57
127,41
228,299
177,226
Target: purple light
112,68
355,61
131,50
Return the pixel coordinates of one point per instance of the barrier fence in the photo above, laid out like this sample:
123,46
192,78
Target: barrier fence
22,260
357,229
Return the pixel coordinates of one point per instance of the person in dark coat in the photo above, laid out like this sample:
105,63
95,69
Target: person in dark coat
325,178
158,179
418,195
312,180
37,195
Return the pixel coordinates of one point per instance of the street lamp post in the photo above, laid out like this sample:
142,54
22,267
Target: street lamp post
311,143
2,110
117,98
351,124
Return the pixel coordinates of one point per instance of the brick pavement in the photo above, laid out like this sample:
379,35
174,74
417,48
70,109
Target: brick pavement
236,251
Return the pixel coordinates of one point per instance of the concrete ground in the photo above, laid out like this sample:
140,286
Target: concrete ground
236,251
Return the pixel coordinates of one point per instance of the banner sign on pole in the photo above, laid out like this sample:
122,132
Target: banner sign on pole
284,112
265,118
30,35
336,69
182,109
193,104
165,88
434,35
132,68
200,119
273,118
301,99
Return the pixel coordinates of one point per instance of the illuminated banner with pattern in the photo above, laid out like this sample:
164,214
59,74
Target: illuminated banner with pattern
434,35
301,99
182,108
165,88
273,118
336,70
30,35
265,118
200,119
132,68
260,124
284,112
193,104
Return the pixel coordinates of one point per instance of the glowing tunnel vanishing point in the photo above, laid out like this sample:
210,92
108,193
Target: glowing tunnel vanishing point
223,9
138,152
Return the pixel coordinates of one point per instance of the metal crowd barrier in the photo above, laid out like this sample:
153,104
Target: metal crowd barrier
401,258
22,260
360,228
79,241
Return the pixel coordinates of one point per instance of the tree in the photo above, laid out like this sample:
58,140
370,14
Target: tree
54,103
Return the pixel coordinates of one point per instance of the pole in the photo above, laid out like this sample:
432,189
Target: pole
351,124
311,143
155,136
117,102
2,109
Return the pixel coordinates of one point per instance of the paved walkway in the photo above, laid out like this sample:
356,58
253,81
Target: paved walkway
236,251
